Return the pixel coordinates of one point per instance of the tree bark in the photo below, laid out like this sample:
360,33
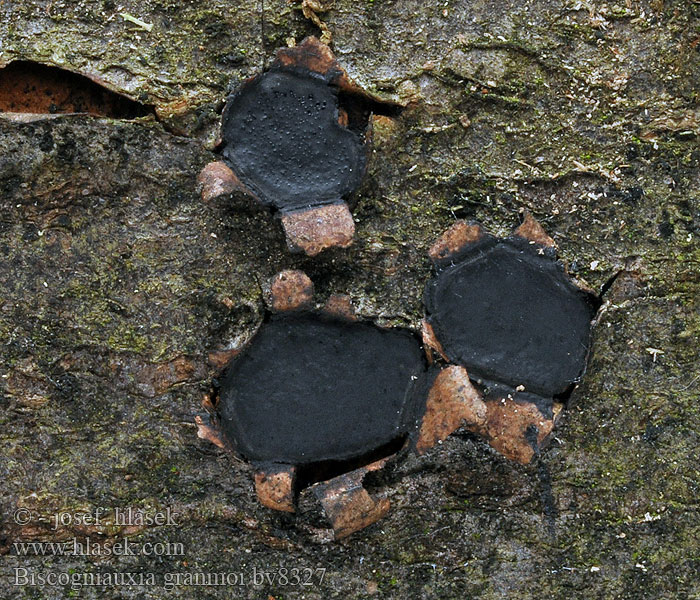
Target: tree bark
120,288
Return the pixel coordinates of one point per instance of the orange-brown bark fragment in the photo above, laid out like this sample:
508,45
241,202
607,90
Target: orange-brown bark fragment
275,489
347,504
172,373
291,290
314,55
311,54
452,401
340,305
157,379
531,230
207,431
313,230
507,427
219,359
455,239
217,179
208,404
354,510
430,342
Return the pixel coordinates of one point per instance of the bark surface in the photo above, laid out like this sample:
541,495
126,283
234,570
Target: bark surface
121,291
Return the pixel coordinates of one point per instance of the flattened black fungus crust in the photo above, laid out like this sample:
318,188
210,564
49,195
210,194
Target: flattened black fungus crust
508,312
312,388
282,138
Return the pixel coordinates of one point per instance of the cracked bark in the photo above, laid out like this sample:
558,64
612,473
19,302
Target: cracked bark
110,272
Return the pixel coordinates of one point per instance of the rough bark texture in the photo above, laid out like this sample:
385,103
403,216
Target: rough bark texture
118,283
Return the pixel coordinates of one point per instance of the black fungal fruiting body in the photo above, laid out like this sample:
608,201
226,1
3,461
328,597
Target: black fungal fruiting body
311,388
506,310
283,139
296,140
321,398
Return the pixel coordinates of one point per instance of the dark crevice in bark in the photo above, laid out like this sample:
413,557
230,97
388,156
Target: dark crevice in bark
35,88
607,285
324,470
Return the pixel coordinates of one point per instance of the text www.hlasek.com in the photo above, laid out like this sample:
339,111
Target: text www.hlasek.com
89,547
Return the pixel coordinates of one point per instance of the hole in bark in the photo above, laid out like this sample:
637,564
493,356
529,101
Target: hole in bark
324,470
310,389
360,108
507,311
29,87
